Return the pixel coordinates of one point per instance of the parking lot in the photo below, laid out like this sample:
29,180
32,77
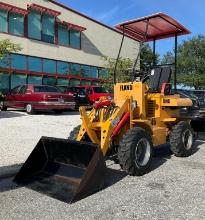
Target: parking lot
173,189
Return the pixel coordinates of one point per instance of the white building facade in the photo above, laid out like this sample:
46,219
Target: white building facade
60,46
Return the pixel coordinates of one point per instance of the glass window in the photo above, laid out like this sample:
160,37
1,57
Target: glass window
86,71
46,89
34,64
3,21
4,83
75,39
100,89
17,79
103,73
18,62
74,82
34,25
49,81
49,66
22,90
95,83
75,69
63,35
5,62
84,82
62,67
94,72
48,28
62,82
35,80
15,90
16,24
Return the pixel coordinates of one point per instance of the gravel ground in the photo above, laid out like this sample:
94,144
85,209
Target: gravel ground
174,189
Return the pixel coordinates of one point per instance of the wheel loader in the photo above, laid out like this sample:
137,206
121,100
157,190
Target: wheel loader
144,114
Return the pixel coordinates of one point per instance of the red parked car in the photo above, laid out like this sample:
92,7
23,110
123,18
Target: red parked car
38,97
95,92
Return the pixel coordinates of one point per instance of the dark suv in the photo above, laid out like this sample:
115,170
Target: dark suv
78,94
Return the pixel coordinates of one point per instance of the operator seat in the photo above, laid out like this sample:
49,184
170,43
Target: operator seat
158,77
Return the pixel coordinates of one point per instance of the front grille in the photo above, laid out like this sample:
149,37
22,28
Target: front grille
151,108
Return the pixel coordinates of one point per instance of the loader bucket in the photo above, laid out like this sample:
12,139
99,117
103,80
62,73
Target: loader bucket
63,169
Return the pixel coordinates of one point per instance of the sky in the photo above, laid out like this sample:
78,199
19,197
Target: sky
190,13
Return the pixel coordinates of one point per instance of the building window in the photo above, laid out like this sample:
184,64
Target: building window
75,69
75,41
62,67
74,82
3,21
34,25
18,62
62,82
86,71
63,35
17,79
36,80
94,72
103,73
85,82
4,83
49,66
16,24
48,30
95,83
34,64
49,81
5,62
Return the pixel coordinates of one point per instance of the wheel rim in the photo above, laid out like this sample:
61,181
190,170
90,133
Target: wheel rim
142,152
187,139
28,108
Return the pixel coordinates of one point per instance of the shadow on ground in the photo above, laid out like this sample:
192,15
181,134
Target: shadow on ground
7,174
11,114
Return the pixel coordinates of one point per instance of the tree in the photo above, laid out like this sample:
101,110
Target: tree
190,62
147,58
168,58
123,71
7,47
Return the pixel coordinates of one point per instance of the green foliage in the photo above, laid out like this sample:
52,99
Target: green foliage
191,62
168,58
147,58
7,47
123,72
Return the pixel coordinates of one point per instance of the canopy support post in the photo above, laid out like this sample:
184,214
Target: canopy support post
118,56
175,62
154,52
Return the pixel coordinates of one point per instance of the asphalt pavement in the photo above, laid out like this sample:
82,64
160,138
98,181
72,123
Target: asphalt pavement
173,189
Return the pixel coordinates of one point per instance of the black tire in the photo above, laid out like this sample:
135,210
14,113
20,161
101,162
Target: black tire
58,112
182,139
2,106
135,140
74,133
29,109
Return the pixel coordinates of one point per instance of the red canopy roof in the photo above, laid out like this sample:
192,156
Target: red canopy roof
12,8
72,26
43,9
160,26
